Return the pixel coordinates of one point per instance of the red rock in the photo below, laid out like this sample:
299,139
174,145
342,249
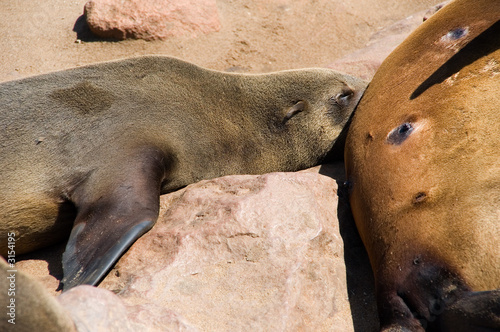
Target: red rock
152,318
151,19
251,252
94,309
27,305
242,253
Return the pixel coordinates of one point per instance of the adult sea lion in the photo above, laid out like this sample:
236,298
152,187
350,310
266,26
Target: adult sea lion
423,167
99,144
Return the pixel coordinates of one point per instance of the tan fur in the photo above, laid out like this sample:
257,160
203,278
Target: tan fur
434,199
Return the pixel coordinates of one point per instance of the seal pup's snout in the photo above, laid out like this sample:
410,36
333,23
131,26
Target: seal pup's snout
344,102
358,94
344,97
350,94
354,91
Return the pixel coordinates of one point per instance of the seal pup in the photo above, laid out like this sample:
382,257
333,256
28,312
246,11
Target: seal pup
423,168
99,144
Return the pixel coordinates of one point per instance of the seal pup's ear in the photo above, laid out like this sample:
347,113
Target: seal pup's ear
294,110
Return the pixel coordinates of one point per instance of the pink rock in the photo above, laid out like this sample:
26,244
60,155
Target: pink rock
94,309
27,305
152,318
241,253
270,252
151,19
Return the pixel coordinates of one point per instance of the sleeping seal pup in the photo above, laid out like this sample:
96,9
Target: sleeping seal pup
99,144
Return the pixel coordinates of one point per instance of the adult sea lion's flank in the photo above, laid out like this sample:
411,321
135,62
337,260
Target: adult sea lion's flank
423,164
99,144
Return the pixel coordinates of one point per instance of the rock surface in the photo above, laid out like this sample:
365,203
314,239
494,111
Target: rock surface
151,19
95,310
273,252
27,305
243,253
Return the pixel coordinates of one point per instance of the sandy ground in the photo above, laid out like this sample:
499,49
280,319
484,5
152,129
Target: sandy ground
256,35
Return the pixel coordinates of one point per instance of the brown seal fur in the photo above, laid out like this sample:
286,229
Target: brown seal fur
99,144
423,167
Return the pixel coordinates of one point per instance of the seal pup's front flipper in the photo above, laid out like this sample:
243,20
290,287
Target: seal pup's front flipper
84,265
116,206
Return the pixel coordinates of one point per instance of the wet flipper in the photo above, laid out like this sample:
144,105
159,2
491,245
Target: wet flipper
104,230
116,206
90,273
